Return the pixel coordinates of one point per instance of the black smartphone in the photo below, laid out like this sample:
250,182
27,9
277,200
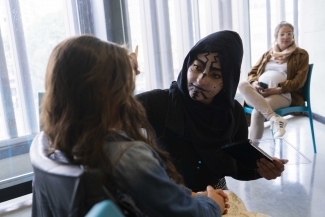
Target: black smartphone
263,85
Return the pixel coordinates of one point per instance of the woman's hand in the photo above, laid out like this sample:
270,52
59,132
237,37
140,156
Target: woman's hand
219,197
134,61
270,170
269,91
257,87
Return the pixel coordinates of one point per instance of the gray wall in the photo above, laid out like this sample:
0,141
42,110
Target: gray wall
312,39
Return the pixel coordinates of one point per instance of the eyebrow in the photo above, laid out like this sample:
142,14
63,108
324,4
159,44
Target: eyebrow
201,61
211,67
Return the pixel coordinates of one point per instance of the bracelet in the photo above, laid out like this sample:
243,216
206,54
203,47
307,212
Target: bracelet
279,89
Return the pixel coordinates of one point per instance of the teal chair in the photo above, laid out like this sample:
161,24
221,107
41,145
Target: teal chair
61,188
104,208
306,108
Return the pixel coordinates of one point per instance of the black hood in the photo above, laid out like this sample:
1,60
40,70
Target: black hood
208,127
228,45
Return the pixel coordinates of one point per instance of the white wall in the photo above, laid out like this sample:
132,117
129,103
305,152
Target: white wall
312,39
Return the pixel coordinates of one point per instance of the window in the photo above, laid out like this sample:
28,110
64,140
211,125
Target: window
29,30
164,31
264,17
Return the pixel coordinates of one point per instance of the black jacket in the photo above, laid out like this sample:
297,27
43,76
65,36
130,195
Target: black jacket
188,162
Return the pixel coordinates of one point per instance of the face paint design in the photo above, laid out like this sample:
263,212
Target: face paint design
204,77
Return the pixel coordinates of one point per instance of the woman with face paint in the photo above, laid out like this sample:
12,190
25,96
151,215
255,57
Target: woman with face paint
283,71
198,114
91,118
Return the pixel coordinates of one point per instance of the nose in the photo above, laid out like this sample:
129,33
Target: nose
201,79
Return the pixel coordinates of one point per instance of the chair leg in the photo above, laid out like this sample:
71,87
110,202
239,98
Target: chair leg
310,115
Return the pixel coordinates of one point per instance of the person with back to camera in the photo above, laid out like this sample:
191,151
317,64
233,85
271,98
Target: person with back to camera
198,114
283,72
90,115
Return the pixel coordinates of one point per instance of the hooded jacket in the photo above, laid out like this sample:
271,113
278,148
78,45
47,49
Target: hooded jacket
192,132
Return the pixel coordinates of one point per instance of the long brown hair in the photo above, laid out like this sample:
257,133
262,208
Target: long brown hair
89,94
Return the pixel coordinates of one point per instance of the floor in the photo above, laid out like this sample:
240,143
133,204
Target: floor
300,192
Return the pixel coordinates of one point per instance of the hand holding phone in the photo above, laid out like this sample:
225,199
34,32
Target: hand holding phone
263,85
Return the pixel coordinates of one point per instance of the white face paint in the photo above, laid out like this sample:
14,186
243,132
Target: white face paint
204,77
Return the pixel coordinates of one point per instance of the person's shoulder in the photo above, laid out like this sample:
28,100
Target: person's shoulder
301,51
140,150
135,157
153,94
127,150
154,102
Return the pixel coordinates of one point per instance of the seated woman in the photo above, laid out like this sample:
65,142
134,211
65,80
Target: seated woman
276,82
90,115
198,114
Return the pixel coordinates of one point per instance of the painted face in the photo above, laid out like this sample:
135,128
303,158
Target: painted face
204,77
284,37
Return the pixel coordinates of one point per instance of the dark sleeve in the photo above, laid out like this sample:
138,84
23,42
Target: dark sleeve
241,127
240,134
148,183
155,102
